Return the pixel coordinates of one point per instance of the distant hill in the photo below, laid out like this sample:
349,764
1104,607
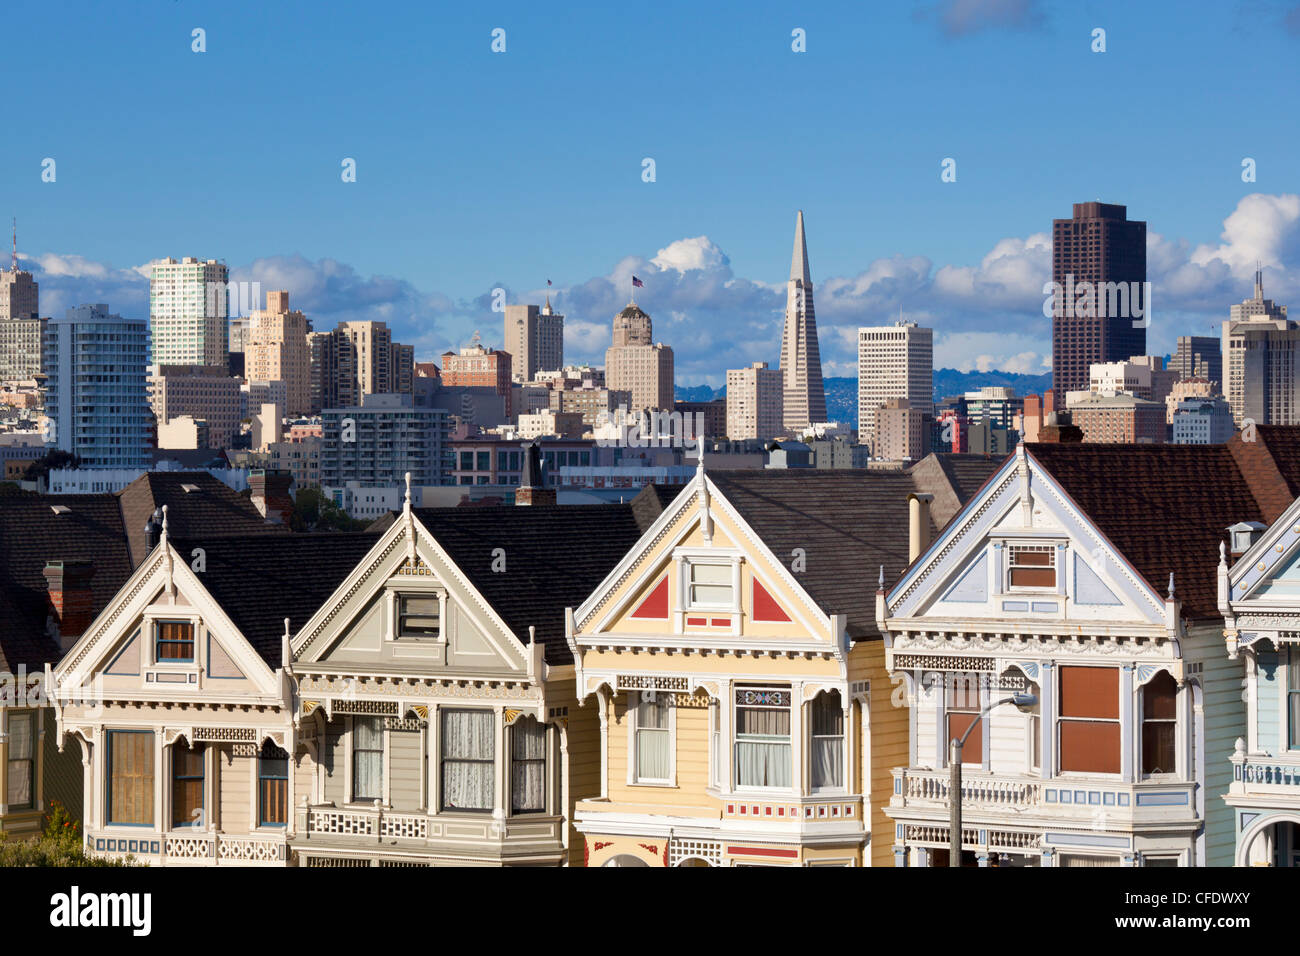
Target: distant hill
842,393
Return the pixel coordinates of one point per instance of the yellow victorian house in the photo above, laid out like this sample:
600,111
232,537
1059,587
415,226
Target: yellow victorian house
746,718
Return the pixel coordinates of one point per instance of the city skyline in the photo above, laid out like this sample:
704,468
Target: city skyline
421,243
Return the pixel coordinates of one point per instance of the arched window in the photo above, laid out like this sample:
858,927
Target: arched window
187,784
1159,721
827,751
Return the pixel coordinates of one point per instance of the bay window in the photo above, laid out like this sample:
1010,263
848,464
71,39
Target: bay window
652,737
1088,729
528,766
273,786
130,778
468,759
763,755
827,738
1293,699
962,709
187,785
22,762
367,758
1159,723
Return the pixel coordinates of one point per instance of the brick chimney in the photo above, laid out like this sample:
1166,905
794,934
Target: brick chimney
272,494
72,604
1058,429
532,488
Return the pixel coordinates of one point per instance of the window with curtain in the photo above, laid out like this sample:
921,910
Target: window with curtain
130,778
709,585
22,763
962,709
273,786
1079,859
367,758
175,641
419,615
1031,566
1088,729
1034,727
1293,698
715,744
1159,723
653,741
826,755
187,784
468,759
763,756
528,766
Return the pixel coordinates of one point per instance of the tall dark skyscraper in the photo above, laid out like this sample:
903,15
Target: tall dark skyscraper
1099,267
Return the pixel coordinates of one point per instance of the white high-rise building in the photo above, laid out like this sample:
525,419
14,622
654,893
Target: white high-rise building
1260,361
894,361
804,402
755,402
189,312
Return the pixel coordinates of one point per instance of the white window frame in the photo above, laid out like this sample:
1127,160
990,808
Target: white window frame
796,785
728,557
844,767
395,591
155,615
634,698
1048,547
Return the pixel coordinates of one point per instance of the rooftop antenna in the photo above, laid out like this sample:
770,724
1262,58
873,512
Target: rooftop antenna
13,262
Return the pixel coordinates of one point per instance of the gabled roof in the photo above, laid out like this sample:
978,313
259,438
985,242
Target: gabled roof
259,580
197,505
32,533
1167,507
555,556
848,523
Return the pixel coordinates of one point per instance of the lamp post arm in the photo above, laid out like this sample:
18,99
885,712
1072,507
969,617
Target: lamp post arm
954,784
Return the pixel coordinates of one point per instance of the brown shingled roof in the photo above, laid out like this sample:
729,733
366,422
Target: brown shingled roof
1167,507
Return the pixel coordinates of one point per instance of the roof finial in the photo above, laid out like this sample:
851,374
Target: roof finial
1171,585
164,523
286,652
880,582
406,504
699,450
1223,554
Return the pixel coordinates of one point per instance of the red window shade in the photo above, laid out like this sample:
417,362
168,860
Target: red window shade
1090,746
1090,692
973,751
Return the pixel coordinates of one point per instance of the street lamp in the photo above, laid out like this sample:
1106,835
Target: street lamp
1022,701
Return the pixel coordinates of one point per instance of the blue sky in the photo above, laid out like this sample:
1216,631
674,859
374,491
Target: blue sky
478,169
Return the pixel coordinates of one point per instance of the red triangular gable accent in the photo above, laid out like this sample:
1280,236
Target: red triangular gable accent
655,605
765,606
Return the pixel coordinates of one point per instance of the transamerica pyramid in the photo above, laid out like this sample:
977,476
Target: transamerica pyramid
801,360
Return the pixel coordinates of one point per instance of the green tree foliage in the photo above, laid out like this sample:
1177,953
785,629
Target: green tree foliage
59,845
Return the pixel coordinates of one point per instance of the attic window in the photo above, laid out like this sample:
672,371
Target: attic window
1032,566
61,509
419,616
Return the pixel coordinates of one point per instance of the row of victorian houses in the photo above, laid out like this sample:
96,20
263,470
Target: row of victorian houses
759,668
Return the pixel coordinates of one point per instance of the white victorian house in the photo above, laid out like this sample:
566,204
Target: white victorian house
1081,574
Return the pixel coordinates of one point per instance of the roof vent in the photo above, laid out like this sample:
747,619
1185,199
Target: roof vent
61,509
1243,534
189,489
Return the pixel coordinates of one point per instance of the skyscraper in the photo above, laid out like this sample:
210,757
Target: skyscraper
276,349
1199,356
894,361
21,327
95,398
755,398
357,359
1099,267
1260,346
637,365
535,340
801,360
189,312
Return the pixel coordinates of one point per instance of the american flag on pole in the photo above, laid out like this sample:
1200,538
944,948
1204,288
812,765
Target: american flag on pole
637,283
